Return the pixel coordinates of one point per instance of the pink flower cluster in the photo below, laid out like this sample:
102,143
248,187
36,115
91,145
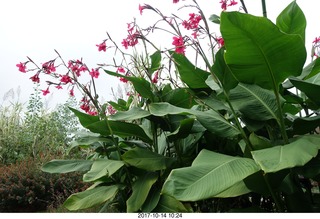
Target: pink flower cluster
224,4
87,107
132,38
178,42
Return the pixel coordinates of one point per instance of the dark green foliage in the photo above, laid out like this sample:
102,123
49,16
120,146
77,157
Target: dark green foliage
24,188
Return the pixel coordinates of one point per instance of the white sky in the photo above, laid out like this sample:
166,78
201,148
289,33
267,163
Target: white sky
35,28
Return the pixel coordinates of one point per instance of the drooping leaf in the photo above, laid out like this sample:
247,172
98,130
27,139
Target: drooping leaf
210,175
215,19
155,61
255,102
211,120
140,191
305,125
66,166
297,153
222,71
310,89
193,76
170,205
185,126
132,114
311,69
122,129
292,20
257,52
146,159
101,168
85,119
90,198
141,85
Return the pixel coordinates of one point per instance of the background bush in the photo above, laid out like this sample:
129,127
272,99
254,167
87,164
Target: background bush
25,188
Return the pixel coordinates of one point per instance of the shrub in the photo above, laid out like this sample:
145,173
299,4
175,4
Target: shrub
24,188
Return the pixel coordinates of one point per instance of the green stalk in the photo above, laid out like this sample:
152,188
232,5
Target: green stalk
264,8
275,197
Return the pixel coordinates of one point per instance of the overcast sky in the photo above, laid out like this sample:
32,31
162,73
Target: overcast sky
35,28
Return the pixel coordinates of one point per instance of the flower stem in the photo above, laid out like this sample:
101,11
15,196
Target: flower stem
264,8
244,6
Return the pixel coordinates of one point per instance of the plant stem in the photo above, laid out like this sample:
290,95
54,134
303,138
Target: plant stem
264,8
275,197
244,6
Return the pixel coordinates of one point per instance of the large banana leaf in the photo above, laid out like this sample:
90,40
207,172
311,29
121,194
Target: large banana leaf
292,20
140,191
255,102
146,159
299,152
91,197
66,166
101,168
257,52
210,175
132,114
211,120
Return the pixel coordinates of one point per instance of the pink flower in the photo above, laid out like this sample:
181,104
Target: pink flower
94,73
220,42
48,67
141,8
66,79
22,67
195,34
35,78
223,4
232,2
45,92
316,40
102,46
58,87
155,78
179,43
193,21
111,110
71,92
175,1
121,70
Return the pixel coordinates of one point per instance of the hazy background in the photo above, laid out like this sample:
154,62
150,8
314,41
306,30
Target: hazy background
35,28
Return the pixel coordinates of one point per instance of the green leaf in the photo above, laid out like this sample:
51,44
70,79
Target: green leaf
181,97
140,191
66,166
155,61
146,159
101,168
311,69
310,89
193,76
305,125
141,85
210,175
257,52
185,126
215,19
211,120
152,200
259,142
132,114
85,119
255,102
90,198
292,20
122,129
169,205
223,72
297,153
